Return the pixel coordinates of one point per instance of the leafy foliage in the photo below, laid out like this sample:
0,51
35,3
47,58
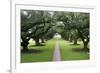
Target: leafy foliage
44,24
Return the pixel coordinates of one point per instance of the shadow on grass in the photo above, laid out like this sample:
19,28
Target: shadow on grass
32,51
37,45
74,44
80,50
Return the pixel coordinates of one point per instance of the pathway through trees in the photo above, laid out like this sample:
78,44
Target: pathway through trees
56,55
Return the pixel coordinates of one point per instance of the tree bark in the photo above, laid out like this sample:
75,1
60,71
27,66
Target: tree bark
42,39
24,43
85,43
25,48
75,41
70,39
37,43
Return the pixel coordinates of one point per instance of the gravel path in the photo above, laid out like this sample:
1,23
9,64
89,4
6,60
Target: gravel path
56,55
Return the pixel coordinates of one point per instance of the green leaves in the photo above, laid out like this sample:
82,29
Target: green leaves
36,23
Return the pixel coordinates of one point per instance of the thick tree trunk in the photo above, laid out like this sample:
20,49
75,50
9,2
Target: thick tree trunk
70,39
85,45
24,44
42,39
75,41
37,43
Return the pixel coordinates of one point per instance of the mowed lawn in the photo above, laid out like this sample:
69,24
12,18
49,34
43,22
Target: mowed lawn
70,51
45,52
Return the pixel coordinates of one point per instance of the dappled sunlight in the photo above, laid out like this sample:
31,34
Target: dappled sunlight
72,52
42,54
54,35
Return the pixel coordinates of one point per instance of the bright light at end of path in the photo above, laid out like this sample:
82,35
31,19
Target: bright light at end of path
57,35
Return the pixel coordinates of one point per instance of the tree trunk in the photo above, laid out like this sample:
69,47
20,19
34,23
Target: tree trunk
85,45
70,39
75,41
25,48
24,44
37,43
42,39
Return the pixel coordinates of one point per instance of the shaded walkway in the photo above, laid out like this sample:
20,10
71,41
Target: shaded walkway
56,55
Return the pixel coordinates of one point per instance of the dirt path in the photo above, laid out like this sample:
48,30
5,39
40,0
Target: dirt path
56,55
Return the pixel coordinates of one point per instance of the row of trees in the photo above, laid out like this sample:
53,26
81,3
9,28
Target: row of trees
36,25
75,26
44,24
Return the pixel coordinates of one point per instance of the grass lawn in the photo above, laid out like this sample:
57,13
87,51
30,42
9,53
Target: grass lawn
45,54
68,51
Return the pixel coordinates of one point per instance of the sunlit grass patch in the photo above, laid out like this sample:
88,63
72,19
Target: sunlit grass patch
46,53
68,51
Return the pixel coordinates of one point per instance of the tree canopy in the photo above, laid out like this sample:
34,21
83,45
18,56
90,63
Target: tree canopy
44,25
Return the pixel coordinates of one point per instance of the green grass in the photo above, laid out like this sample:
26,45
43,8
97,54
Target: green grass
46,53
68,51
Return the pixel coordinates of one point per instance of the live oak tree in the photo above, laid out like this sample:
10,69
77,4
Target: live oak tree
82,27
43,25
24,34
43,28
78,22
34,24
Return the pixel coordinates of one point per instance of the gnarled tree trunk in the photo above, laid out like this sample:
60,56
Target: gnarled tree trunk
42,39
85,40
25,43
75,41
70,39
85,45
37,43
